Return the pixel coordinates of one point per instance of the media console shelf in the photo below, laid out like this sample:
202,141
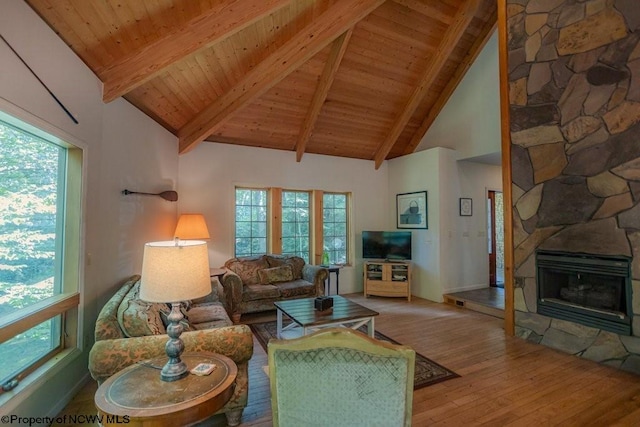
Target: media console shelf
387,279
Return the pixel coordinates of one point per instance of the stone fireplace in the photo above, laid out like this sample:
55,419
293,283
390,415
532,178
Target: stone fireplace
574,94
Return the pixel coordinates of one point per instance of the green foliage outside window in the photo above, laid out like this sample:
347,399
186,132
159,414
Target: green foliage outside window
30,170
296,226
28,204
334,227
251,222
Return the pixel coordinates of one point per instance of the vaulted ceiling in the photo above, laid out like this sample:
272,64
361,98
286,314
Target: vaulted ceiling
352,78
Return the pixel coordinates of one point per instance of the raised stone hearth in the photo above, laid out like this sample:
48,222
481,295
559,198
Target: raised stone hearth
574,92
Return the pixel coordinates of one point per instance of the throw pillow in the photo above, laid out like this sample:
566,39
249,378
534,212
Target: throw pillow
247,268
139,318
296,263
275,274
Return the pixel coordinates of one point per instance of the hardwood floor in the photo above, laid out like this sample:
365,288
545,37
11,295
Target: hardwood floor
504,380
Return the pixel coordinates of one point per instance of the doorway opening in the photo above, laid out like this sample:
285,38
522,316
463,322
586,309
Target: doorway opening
495,233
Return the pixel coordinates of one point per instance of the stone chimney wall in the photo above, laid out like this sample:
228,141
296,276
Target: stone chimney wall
574,94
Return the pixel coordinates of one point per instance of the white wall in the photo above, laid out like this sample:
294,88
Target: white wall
420,172
209,174
470,121
468,127
452,254
123,148
465,238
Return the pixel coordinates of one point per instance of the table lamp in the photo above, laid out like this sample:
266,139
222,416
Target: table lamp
191,227
172,272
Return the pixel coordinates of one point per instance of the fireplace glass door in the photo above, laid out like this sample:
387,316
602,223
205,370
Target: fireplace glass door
586,289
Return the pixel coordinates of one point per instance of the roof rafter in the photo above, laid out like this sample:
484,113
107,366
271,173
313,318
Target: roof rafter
300,48
462,19
485,34
324,84
426,9
219,22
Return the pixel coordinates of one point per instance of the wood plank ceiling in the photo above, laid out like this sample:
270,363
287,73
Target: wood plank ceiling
351,78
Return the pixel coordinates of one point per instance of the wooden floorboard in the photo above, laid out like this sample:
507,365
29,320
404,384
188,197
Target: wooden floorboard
505,381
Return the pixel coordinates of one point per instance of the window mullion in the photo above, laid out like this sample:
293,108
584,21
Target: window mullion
317,227
60,221
20,321
275,219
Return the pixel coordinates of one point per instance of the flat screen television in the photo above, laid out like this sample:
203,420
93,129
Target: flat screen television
386,245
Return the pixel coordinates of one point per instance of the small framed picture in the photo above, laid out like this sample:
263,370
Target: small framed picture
466,206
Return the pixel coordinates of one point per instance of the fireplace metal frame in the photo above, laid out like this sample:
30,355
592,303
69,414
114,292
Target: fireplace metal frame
619,266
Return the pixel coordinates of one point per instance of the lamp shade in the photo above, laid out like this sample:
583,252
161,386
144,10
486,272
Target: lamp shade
191,227
174,272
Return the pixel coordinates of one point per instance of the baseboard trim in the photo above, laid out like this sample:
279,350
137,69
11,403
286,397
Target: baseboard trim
68,397
467,288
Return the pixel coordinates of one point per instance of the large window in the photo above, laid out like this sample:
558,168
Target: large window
293,222
251,221
40,180
334,227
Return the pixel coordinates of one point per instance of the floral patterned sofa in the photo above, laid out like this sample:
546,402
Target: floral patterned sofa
253,284
129,330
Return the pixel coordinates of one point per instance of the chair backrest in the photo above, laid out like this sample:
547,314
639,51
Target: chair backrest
340,377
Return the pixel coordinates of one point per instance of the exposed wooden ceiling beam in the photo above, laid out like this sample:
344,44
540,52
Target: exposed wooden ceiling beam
324,84
449,41
300,48
221,21
485,34
426,9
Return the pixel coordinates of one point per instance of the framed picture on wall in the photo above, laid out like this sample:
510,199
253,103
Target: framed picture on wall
466,206
411,210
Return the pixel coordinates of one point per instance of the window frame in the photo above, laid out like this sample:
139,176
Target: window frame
69,271
274,221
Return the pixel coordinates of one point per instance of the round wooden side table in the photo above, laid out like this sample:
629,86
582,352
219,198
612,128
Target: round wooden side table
137,396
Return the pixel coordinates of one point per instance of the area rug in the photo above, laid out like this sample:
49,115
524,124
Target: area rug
427,372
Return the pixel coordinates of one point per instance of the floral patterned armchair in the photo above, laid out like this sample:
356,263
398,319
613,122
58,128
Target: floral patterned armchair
340,377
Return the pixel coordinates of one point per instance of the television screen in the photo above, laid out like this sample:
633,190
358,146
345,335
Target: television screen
387,245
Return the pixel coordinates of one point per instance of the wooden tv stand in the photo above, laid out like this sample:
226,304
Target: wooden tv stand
387,279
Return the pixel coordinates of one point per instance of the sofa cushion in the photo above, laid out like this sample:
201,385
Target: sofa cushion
214,324
138,318
247,268
282,273
295,288
258,292
295,262
208,312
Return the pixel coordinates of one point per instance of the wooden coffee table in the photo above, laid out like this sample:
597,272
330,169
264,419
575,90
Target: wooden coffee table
138,397
306,319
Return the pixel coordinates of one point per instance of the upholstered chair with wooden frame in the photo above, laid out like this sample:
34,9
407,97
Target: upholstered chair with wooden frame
340,377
